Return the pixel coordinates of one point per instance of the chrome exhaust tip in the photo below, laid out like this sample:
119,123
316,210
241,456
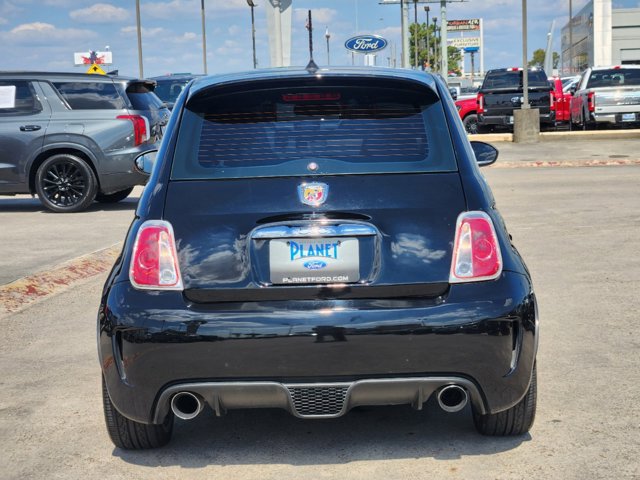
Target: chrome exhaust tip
452,398
186,405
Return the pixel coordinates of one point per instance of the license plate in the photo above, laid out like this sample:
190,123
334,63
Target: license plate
314,260
628,117
510,120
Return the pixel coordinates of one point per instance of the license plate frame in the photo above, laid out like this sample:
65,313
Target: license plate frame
305,261
628,117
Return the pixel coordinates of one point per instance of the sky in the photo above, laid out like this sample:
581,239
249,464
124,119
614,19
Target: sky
44,34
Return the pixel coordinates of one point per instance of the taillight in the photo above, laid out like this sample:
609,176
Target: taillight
552,101
476,252
140,127
154,262
480,103
591,101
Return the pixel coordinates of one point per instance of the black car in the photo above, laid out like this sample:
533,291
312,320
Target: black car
501,94
315,241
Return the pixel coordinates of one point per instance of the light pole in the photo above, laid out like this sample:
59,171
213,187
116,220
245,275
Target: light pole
204,38
435,43
327,35
426,9
570,37
252,5
139,39
415,34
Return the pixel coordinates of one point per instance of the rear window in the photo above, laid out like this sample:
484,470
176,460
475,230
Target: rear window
142,97
614,77
513,79
90,95
318,126
170,90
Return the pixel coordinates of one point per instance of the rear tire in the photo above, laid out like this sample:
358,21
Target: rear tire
114,197
65,183
130,435
470,123
516,420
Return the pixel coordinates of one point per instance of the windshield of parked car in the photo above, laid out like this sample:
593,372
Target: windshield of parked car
513,79
614,77
170,90
307,127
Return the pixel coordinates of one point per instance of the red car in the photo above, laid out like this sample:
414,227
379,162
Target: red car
467,108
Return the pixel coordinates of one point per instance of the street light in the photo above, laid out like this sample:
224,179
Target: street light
252,5
435,41
139,39
327,35
204,38
426,9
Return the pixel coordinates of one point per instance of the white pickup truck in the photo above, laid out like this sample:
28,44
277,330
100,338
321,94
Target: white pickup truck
607,96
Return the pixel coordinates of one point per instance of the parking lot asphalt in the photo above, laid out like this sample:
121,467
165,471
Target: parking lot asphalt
577,229
38,240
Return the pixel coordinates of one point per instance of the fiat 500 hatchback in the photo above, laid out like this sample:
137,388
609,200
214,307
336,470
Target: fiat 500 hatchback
315,241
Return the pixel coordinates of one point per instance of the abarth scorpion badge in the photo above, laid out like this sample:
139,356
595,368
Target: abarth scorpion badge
313,194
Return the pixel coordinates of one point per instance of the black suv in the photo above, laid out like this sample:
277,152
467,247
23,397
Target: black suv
72,138
502,93
316,240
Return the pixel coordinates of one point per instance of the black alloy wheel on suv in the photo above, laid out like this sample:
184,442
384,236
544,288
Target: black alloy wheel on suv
65,183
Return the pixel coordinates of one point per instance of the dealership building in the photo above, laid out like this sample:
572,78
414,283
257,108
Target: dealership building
600,35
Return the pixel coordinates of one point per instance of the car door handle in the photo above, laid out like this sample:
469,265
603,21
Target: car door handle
30,128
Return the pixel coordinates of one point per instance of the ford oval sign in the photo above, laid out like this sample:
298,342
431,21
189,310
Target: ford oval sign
365,43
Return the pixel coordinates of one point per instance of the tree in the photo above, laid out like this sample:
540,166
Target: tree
538,58
424,31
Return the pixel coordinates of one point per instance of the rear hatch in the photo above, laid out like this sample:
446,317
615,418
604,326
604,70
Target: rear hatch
282,188
145,102
503,92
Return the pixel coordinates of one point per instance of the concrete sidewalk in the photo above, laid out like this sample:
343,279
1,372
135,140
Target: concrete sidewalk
568,149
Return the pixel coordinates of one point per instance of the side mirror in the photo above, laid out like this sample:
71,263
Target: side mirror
145,161
485,154
572,89
454,93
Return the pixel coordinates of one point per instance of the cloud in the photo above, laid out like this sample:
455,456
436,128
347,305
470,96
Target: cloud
147,32
189,8
186,37
318,15
3,21
230,47
37,33
100,13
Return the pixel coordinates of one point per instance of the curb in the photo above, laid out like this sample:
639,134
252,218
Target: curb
576,135
566,164
17,295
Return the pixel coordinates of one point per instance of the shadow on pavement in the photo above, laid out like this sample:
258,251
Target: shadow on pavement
22,204
254,437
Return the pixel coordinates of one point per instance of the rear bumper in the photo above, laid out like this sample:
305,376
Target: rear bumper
506,120
317,400
152,344
616,118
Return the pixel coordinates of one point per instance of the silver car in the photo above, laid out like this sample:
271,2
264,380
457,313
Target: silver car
72,138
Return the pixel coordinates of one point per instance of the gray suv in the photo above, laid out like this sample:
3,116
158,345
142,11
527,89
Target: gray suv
72,138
